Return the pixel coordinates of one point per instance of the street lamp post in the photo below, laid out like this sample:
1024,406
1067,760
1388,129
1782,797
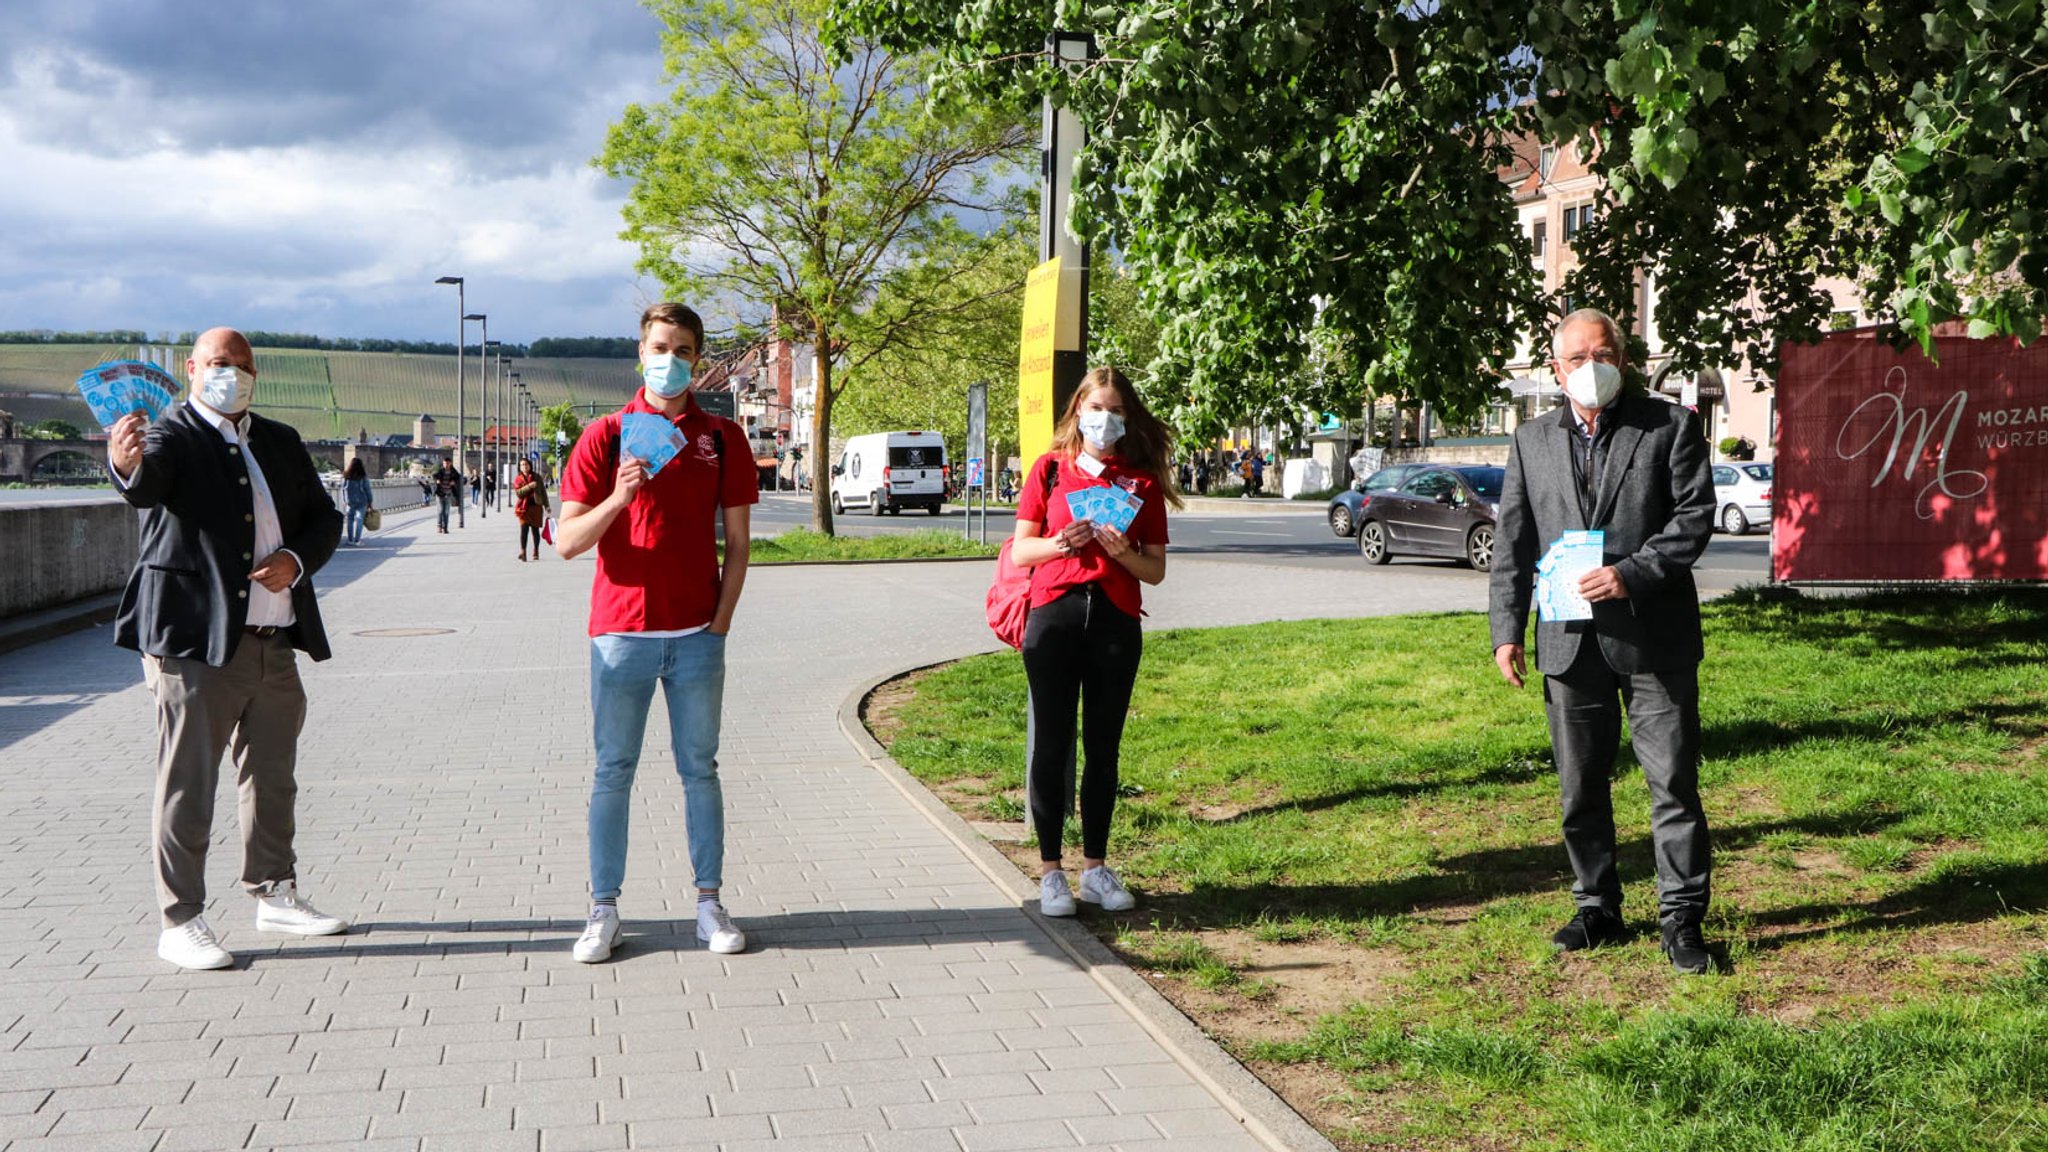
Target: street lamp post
504,418
461,333
496,348
483,347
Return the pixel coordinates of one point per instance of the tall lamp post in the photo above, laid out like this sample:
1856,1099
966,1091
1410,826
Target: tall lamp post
483,349
461,332
505,418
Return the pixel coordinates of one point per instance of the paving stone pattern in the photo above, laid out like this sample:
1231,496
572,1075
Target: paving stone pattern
892,998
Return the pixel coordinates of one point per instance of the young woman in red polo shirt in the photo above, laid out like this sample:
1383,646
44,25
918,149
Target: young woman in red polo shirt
1082,644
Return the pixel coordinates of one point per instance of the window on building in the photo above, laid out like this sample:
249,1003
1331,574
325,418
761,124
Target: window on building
1546,159
1542,238
1576,217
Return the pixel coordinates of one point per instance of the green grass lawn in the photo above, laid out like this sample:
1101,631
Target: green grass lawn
800,544
1344,839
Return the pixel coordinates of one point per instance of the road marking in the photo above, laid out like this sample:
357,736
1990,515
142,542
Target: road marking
1269,535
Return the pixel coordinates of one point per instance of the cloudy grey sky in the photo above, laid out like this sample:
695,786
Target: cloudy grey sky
313,165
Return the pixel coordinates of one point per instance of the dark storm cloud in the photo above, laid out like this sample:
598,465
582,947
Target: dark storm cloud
516,81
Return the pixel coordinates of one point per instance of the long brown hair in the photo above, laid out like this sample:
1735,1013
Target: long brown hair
1147,444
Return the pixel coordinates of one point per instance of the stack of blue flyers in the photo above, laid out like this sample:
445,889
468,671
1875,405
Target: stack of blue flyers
650,439
1110,506
1557,575
119,387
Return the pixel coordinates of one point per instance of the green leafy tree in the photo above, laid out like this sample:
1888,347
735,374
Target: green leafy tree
52,430
1283,178
822,193
922,383
559,429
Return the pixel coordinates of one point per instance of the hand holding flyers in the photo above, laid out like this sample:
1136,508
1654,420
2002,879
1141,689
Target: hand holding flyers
1558,573
1110,507
119,387
650,439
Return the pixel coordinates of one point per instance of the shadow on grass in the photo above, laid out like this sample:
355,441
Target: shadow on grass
1465,879
1728,740
1967,894
2000,624
1521,768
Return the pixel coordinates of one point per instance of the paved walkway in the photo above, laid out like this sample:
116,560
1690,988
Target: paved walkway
893,997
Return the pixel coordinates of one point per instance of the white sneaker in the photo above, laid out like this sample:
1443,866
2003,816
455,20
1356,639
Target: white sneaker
1054,897
284,910
716,929
595,945
192,945
1100,886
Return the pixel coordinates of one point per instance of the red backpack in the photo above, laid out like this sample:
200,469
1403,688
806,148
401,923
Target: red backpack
1009,594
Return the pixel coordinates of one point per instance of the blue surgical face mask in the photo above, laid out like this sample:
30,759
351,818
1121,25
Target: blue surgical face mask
666,375
1101,429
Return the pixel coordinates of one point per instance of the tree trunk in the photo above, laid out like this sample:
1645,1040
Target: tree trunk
821,430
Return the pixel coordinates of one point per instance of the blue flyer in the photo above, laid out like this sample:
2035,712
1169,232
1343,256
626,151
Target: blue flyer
118,387
1557,575
1110,507
650,439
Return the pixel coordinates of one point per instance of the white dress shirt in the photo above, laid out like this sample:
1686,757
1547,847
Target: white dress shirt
265,607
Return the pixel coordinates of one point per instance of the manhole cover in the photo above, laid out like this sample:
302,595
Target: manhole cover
401,632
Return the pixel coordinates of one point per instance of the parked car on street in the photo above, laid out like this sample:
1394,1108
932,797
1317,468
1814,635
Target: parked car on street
1344,505
1443,510
1742,496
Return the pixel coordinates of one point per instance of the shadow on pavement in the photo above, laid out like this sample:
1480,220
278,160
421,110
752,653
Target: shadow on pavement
794,931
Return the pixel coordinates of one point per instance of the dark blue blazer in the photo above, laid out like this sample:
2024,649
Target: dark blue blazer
188,596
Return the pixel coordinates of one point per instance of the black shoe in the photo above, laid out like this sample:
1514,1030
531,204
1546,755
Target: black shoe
1686,946
1593,927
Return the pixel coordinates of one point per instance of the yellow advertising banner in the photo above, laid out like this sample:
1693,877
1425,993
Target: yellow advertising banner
1035,417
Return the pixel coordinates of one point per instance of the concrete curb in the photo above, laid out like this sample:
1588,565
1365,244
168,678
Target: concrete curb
1264,1115
877,560
49,623
1239,506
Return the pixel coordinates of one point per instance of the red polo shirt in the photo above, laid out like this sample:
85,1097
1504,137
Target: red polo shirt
657,565
1052,579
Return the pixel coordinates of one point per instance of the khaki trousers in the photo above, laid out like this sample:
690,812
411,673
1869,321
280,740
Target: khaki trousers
254,706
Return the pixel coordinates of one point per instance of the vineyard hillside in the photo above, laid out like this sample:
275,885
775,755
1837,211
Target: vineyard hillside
325,395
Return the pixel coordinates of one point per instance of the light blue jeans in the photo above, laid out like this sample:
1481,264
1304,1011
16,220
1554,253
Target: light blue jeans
623,673
355,524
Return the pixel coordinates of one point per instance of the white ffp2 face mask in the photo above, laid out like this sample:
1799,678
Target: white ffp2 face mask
1593,385
1101,429
227,389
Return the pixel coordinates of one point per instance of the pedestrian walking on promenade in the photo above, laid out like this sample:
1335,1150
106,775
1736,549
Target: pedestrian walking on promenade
448,490
1083,641
660,607
1635,469
530,506
235,521
356,494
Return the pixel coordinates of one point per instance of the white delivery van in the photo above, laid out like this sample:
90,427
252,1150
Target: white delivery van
891,471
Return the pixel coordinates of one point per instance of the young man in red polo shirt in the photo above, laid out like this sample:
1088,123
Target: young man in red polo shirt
660,607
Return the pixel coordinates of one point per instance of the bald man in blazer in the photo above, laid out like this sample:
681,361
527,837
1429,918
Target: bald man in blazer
235,522
1635,468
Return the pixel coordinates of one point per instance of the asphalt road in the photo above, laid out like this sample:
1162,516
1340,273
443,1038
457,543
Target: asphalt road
1296,537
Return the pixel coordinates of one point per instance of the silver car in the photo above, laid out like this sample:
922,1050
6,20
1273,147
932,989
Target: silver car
1742,496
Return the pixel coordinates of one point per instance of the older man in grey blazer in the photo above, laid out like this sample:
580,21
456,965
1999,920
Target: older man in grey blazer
1634,468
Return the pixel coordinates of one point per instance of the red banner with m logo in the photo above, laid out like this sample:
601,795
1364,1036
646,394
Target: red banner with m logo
1894,467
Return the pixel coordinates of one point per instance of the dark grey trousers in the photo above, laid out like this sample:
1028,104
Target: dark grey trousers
1584,707
254,706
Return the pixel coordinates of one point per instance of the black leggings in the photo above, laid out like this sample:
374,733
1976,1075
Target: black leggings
1080,654
523,530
